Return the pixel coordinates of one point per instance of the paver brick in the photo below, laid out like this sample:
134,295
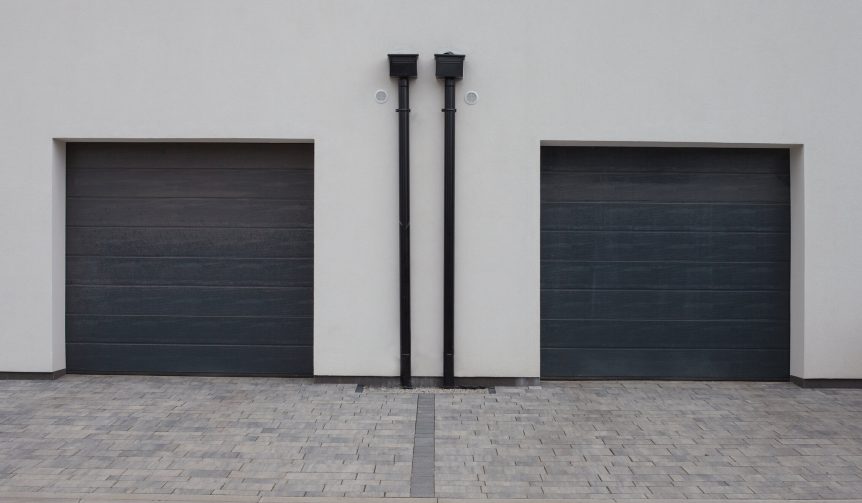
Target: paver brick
278,437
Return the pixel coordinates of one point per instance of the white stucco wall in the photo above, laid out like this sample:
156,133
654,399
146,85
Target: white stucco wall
777,72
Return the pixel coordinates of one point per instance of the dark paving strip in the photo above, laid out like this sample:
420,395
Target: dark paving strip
422,476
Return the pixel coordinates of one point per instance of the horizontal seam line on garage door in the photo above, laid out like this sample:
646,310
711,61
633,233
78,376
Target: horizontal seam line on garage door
201,257
574,261
189,344
174,168
657,231
195,257
650,172
181,285
241,316
637,320
192,286
310,227
647,202
231,198
667,348
728,290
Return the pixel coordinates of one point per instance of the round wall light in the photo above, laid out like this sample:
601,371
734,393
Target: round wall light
381,96
471,97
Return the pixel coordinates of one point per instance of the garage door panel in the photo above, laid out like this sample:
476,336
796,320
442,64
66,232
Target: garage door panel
190,212
667,187
665,217
666,275
665,160
192,301
194,330
149,271
202,182
664,304
666,363
172,156
662,246
190,258
189,242
170,359
720,334
665,262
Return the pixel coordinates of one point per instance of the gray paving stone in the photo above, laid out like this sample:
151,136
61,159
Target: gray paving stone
250,438
647,436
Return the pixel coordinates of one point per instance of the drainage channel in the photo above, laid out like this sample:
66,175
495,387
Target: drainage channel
422,475
422,471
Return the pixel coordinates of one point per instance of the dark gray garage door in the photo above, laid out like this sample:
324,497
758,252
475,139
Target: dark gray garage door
189,258
664,263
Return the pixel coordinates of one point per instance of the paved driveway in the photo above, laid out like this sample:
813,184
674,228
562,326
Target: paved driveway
258,438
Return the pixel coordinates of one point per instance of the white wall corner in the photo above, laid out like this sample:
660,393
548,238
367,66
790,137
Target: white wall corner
797,262
58,256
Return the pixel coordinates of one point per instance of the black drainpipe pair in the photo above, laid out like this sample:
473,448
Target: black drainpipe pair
450,67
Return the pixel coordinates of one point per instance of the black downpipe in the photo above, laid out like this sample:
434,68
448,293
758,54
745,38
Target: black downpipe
449,235
449,68
403,66
404,225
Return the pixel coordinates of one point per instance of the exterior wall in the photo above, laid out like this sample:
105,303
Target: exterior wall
775,72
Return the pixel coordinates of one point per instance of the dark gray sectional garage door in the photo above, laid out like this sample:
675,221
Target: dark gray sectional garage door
663,263
189,258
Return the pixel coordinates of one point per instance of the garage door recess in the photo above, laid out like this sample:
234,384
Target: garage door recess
665,263
189,258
